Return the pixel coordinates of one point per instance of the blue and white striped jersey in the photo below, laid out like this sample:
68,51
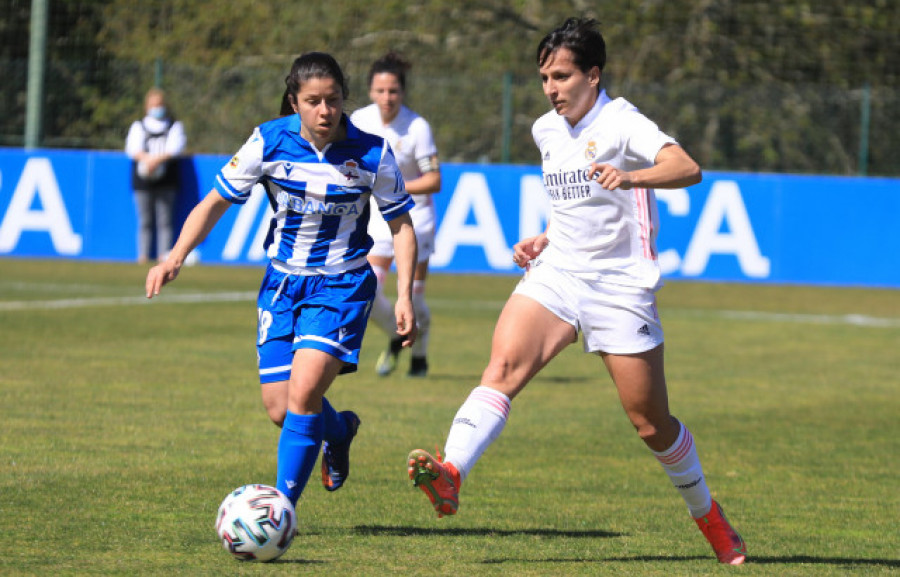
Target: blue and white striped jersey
321,197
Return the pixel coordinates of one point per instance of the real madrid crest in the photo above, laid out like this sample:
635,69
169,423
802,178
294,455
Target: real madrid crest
590,152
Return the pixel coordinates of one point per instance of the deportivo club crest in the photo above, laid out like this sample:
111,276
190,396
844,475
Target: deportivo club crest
590,152
350,169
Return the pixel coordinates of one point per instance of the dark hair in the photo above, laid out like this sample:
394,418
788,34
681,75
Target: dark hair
286,107
392,63
582,38
314,65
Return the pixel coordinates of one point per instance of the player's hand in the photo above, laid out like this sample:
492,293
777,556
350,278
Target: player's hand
406,321
161,274
151,163
529,248
609,177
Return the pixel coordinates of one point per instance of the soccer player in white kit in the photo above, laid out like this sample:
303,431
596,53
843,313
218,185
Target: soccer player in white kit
314,301
413,145
594,271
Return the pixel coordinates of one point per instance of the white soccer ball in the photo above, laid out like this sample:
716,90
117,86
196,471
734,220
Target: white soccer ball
256,523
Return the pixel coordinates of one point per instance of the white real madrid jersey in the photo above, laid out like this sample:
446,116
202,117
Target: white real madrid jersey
411,139
321,197
608,235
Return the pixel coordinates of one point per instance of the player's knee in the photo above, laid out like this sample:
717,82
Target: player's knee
276,410
498,370
276,414
505,375
656,435
646,431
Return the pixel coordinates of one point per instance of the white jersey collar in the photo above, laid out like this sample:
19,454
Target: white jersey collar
593,113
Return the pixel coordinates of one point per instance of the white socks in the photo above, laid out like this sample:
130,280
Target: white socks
477,424
383,312
681,463
382,309
483,415
423,319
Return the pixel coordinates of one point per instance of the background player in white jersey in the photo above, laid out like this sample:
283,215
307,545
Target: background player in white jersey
594,271
314,301
411,140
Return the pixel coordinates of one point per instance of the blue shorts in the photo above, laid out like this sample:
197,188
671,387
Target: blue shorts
323,312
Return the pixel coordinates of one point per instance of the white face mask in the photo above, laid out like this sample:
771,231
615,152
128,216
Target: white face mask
157,112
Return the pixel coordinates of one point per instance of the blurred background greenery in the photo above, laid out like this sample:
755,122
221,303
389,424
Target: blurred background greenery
792,86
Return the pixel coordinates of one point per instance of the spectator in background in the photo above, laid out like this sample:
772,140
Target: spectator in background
413,145
154,144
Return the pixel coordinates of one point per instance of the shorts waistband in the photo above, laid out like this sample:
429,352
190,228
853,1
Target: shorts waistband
343,267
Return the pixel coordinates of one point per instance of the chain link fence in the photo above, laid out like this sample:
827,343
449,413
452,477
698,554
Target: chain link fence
91,96
769,128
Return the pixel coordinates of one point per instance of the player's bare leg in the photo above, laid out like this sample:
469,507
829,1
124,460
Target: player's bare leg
383,316
641,384
527,336
274,398
515,359
303,430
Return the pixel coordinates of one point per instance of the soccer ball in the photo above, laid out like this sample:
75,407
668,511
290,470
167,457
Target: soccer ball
256,523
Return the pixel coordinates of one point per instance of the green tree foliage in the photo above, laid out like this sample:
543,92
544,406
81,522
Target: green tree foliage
743,84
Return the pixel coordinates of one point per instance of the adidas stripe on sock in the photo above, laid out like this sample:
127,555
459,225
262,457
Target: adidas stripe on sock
682,464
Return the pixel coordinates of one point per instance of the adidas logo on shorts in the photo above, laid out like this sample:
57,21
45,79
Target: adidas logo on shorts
644,330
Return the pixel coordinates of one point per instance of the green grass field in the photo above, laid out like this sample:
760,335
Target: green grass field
125,423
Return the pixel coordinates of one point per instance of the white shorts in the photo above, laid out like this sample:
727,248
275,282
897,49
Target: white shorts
614,319
423,223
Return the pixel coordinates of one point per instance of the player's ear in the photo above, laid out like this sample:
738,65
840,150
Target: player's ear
292,98
594,76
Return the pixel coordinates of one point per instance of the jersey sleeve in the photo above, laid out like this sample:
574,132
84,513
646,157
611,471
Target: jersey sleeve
642,138
134,142
389,190
236,179
539,131
424,139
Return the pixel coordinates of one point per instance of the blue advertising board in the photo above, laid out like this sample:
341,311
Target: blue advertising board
775,228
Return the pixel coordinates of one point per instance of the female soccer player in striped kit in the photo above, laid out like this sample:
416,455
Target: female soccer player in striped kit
411,140
315,298
594,270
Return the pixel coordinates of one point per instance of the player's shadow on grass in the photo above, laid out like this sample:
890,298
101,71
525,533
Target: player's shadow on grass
555,379
814,560
586,560
383,530
787,560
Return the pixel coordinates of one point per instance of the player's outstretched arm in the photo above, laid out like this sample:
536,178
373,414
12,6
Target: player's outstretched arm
430,180
673,168
405,257
199,223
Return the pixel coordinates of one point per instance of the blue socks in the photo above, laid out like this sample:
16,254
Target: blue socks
335,423
299,445
298,449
